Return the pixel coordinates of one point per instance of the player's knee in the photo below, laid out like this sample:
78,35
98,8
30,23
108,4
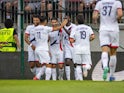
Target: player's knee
68,61
87,66
38,64
53,65
61,66
31,64
49,65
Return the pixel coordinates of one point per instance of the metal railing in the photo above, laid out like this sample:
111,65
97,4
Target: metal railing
49,8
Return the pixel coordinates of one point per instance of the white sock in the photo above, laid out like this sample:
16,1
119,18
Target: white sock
54,73
104,58
86,67
33,70
67,70
40,72
61,72
43,69
112,64
48,73
79,73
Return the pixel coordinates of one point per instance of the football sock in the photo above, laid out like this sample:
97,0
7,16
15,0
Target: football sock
54,73
112,64
104,58
48,73
67,70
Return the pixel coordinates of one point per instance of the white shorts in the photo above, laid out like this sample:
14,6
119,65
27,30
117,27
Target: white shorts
82,59
43,56
110,39
57,57
32,56
69,52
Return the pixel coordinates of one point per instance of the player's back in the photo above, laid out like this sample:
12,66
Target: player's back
41,36
82,35
108,14
41,33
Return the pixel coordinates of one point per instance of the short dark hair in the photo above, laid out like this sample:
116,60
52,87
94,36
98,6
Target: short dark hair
43,18
54,18
36,16
8,23
80,19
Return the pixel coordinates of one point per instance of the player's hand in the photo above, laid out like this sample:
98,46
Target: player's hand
64,22
33,47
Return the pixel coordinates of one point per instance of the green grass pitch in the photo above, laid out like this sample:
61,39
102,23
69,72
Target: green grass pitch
30,86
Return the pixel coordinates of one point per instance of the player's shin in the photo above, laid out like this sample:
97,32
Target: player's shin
67,70
48,71
79,72
54,73
33,70
112,65
104,58
61,72
86,67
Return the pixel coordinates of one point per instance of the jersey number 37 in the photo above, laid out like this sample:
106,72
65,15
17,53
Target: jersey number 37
106,10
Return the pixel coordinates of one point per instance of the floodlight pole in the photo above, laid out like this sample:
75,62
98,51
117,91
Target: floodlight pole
21,34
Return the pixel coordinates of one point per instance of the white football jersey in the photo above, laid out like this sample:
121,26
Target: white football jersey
108,14
81,34
66,36
30,31
41,36
56,39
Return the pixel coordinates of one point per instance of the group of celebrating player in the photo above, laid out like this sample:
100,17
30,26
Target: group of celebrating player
65,43
58,44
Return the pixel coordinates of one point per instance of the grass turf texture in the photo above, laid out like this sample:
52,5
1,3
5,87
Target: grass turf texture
30,86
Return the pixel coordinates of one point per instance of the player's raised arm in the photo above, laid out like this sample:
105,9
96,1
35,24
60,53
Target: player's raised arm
96,13
95,16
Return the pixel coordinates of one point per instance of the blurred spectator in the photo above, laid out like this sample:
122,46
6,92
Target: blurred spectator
35,5
9,4
88,9
54,5
8,37
45,5
75,5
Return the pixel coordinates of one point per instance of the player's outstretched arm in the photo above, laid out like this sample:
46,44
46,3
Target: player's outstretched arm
95,16
119,14
61,26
